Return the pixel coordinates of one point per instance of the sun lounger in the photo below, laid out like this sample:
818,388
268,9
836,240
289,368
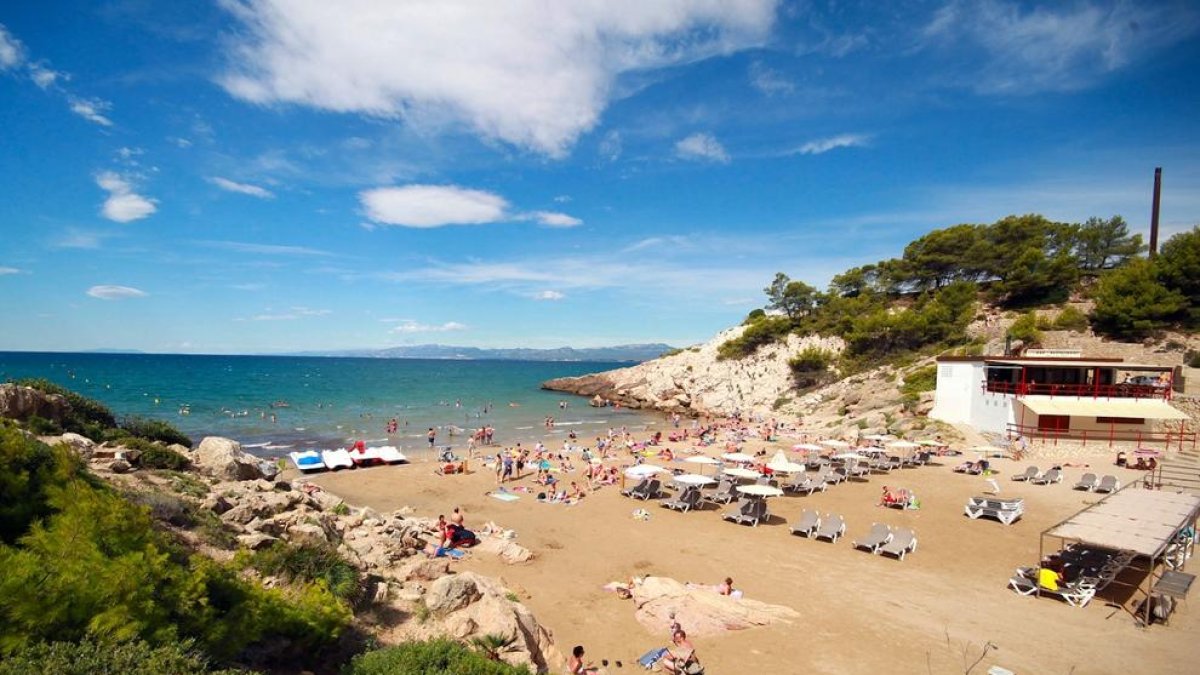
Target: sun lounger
1051,476
832,527
647,488
808,523
1076,594
366,457
836,475
807,484
1108,484
879,535
1006,511
337,459
903,542
723,494
1030,474
1086,482
749,510
391,455
859,471
687,501
309,460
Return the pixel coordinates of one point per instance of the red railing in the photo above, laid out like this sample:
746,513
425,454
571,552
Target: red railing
1178,438
1078,390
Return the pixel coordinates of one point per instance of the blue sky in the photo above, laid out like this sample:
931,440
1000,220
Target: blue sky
248,176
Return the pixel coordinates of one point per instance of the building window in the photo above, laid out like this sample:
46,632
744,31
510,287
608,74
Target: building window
1054,422
1120,420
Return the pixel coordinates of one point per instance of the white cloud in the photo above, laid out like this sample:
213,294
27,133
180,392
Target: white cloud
549,295
409,326
91,110
821,145
555,219
562,199
5,271
292,314
610,146
242,188
44,77
107,292
432,206
82,239
123,204
769,81
12,53
530,73
701,147
1060,47
263,249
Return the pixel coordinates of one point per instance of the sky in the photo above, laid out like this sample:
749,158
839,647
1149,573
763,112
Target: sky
256,176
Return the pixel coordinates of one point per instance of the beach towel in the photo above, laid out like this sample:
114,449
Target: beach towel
504,496
449,553
651,657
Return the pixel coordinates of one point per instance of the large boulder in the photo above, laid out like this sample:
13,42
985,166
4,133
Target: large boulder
21,403
700,609
506,549
225,459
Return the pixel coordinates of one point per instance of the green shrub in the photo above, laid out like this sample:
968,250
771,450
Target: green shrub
1025,329
309,563
810,367
1043,322
434,657
88,657
87,417
1071,319
919,380
29,473
166,508
154,430
158,457
41,426
757,334
187,484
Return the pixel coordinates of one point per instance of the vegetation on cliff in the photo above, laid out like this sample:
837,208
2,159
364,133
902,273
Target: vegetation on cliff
926,298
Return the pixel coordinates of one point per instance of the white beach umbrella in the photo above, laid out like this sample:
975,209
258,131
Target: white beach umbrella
930,443
702,459
694,479
643,470
848,455
738,457
742,473
781,464
760,490
903,445
835,443
879,437
987,450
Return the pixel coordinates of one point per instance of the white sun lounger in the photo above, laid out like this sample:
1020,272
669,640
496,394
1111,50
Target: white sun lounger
391,455
832,527
308,460
337,459
903,541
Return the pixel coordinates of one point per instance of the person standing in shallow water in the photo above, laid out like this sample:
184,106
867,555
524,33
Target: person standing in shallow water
432,436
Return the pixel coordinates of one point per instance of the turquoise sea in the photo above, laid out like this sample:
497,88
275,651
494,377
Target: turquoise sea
273,404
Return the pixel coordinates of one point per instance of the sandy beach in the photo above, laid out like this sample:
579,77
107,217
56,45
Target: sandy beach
859,613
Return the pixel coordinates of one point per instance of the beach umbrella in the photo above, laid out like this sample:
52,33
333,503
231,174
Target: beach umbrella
781,464
807,447
835,443
902,445
847,455
986,450
703,460
738,457
742,473
760,490
694,479
930,443
879,437
643,470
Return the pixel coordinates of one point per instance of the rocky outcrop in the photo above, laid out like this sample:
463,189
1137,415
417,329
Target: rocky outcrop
224,458
700,610
22,403
695,381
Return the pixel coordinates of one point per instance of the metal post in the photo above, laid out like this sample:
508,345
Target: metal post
1154,212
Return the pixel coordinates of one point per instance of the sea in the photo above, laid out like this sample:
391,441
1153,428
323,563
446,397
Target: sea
276,404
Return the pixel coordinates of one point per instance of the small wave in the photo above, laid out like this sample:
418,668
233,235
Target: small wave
300,429
283,446
256,445
522,428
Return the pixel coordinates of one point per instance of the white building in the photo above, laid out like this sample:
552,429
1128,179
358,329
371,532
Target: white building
1061,397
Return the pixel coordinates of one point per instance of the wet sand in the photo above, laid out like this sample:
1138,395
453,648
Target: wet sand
860,613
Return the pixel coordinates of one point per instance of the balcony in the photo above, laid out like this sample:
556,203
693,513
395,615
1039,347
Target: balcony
1123,390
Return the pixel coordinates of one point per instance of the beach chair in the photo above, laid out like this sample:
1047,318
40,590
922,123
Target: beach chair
879,535
1006,511
1108,484
724,493
808,484
637,489
687,501
836,475
1086,482
652,490
859,470
831,527
903,542
1076,594
749,511
895,462
1031,473
808,523
1051,476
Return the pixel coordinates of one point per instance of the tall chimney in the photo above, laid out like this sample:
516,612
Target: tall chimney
1154,212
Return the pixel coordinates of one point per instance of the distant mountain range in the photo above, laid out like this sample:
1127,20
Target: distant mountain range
630,353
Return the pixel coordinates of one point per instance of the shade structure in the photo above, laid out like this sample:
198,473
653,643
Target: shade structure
694,479
808,447
702,459
738,457
781,464
742,473
929,443
879,437
835,443
848,455
1149,409
760,490
903,445
643,470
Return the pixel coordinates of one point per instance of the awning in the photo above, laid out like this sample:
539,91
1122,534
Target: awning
1144,408
1144,521
1077,363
